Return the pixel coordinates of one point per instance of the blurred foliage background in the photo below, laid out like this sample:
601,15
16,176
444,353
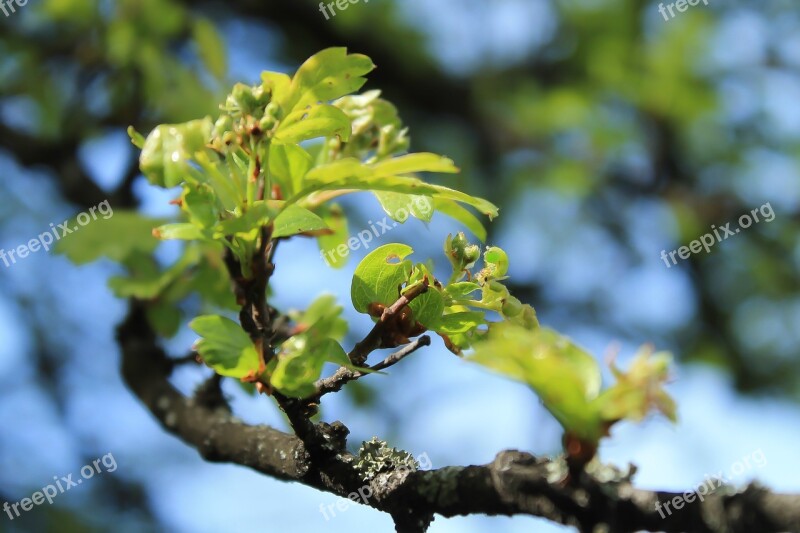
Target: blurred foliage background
605,133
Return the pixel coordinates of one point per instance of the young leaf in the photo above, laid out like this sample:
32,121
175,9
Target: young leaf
412,163
295,219
331,244
566,378
300,364
484,206
428,307
132,233
259,214
199,201
350,173
320,120
324,316
380,275
278,84
181,231
461,322
325,76
639,389
461,214
400,206
289,163
147,281
225,346
461,290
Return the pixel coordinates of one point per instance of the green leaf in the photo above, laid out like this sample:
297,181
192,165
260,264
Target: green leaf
324,316
301,366
399,206
347,174
565,377
428,307
461,214
330,244
295,219
484,206
169,147
181,231
225,347
350,173
412,163
337,171
379,276
210,47
327,75
278,84
320,120
199,201
147,281
639,389
461,322
289,163
462,289
223,177
131,232
259,214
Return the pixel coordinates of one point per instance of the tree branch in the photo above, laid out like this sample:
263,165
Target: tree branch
514,483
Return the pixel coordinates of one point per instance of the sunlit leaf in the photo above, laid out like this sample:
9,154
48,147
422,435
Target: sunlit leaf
225,346
320,120
294,219
327,75
289,163
379,275
412,163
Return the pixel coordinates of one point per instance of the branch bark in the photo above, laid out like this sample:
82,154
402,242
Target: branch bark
514,483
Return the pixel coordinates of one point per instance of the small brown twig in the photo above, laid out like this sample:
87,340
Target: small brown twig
342,376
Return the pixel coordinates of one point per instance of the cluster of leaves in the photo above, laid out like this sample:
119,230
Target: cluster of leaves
563,375
456,311
275,157
267,169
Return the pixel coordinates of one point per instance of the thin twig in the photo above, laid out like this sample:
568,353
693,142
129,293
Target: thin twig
342,376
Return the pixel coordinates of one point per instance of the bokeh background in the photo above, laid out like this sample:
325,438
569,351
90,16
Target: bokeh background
605,133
